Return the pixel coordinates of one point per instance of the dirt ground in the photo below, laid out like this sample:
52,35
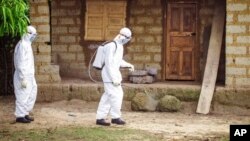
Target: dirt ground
173,126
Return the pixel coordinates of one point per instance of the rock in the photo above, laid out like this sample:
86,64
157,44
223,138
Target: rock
169,104
143,76
142,79
143,102
152,71
138,73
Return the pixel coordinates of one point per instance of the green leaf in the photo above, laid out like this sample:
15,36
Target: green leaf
13,17
4,15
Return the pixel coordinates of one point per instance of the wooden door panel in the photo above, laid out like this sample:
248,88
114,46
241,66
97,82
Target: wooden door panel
187,63
174,64
189,17
175,22
181,41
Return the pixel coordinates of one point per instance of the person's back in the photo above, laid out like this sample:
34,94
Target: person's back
113,59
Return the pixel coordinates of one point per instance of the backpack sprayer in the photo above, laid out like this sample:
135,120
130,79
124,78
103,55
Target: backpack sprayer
99,59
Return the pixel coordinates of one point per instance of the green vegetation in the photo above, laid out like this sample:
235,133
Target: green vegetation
13,24
13,17
224,139
80,133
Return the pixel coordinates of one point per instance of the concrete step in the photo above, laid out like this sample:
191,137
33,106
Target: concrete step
225,100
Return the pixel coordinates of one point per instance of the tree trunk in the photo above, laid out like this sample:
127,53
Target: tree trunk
5,71
7,46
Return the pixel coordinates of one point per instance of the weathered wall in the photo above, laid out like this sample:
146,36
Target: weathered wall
39,17
206,14
67,26
238,43
145,18
145,21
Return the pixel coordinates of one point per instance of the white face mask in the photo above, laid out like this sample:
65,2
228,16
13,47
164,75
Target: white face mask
124,39
33,37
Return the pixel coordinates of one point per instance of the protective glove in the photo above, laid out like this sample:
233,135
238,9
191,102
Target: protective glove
23,83
116,83
131,68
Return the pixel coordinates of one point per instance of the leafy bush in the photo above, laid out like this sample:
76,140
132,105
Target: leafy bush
13,17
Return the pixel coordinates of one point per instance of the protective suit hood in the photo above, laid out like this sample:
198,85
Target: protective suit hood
30,35
124,36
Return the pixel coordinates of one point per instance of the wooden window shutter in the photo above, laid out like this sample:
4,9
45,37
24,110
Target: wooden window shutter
94,21
104,19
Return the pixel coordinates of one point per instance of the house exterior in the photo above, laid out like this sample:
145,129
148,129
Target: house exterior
62,48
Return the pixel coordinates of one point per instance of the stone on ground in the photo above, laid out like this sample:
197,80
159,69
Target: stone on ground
143,102
169,104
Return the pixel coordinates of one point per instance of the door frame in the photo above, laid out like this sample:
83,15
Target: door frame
197,75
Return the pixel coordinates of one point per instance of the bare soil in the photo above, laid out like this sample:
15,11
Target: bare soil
173,126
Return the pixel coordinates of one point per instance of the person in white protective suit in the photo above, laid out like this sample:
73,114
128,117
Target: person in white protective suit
111,100
24,77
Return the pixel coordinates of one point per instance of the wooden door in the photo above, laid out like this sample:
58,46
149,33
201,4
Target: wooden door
181,41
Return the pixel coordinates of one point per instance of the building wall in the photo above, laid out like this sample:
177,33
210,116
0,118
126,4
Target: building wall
145,50
67,25
145,21
39,17
238,43
145,18
146,46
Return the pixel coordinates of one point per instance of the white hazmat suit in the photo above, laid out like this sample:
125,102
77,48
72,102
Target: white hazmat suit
111,99
24,77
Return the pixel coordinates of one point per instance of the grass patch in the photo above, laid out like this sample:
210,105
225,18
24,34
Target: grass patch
80,134
224,139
